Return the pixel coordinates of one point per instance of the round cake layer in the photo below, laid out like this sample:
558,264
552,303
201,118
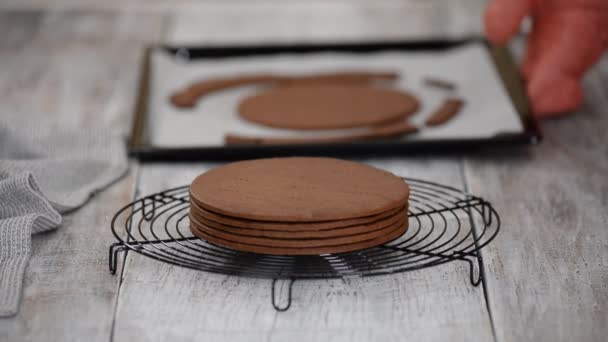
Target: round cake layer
289,226
298,189
331,106
245,247
296,243
304,232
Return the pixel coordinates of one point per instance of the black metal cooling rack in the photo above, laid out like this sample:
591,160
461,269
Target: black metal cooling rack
445,224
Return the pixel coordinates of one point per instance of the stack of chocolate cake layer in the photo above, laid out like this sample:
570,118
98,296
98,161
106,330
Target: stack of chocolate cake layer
298,206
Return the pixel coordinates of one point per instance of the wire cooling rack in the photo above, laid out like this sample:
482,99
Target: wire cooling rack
445,224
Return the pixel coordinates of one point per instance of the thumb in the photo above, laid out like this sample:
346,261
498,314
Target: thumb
502,18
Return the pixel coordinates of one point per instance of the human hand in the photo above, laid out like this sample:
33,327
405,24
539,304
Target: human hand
567,38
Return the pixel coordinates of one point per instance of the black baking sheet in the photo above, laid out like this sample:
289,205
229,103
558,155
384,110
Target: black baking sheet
141,146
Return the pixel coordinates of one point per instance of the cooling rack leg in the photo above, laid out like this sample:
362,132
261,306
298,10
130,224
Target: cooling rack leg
275,300
474,272
148,215
115,248
486,214
474,275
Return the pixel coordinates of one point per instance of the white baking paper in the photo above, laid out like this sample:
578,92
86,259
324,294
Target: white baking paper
488,110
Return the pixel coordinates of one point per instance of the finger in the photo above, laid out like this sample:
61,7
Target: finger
568,44
531,55
502,19
554,96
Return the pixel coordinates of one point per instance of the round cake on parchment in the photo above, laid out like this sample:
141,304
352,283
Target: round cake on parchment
328,106
298,206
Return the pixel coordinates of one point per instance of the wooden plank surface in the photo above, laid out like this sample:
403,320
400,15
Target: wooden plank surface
548,269
319,19
79,68
326,21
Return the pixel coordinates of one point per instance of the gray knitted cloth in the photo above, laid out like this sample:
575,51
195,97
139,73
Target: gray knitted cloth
45,170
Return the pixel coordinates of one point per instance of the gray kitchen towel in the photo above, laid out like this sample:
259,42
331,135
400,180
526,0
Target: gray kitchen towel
45,170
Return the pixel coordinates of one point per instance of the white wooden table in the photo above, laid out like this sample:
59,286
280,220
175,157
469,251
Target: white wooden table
546,275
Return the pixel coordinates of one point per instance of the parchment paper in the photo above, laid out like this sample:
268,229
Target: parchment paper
488,110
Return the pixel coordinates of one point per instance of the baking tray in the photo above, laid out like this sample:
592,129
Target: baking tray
140,146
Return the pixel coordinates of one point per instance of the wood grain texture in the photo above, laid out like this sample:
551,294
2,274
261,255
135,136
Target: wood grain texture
245,21
159,302
79,68
325,21
547,272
